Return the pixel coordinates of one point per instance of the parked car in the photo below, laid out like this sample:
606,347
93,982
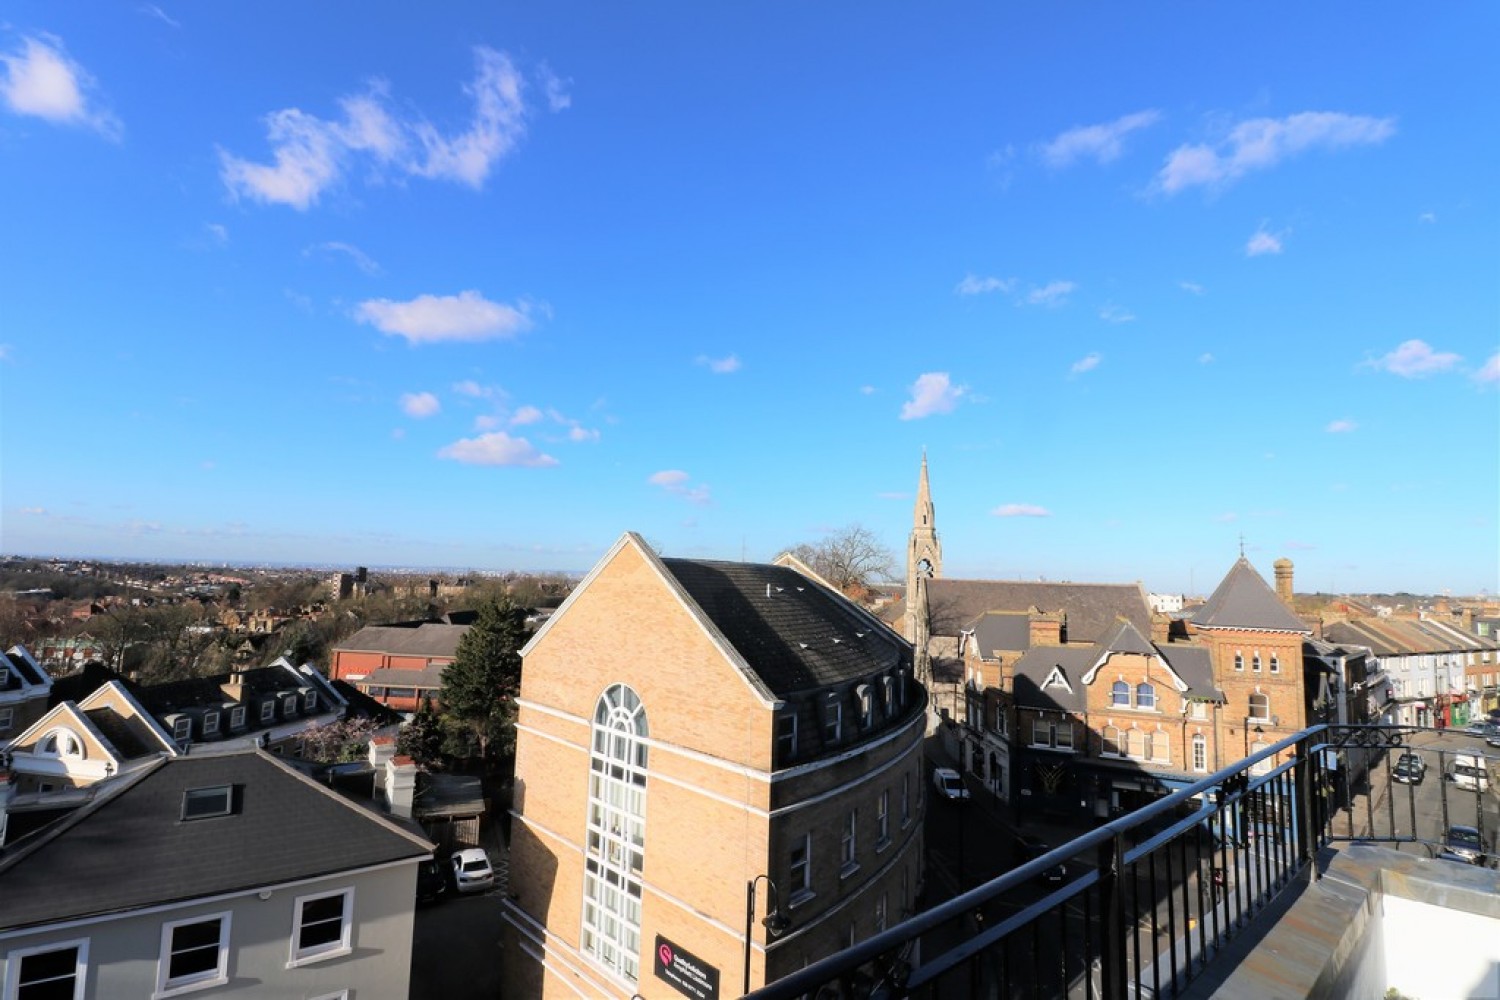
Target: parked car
1463,842
1470,771
432,881
950,784
1492,734
1409,769
1029,848
472,871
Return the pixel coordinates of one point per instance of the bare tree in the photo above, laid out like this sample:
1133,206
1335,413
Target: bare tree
851,559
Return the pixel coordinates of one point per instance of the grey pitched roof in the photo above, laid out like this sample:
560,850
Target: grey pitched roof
1036,665
130,848
796,635
1362,634
1194,664
431,677
1126,638
1002,630
18,658
132,736
1092,608
430,639
1244,600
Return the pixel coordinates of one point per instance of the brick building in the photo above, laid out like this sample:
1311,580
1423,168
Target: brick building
399,665
690,732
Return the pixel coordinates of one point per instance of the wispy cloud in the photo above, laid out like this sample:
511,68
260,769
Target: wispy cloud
1263,242
1262,143
1191,287
555,88
1488,375
471,388
151,10
1100,143
679,483
1054,293
867,390
42,82
1087,363
217,234
1415,359
526,415
1112,313
496,448
1227,518
310,154
429,319
1020,510
5,350
973,284
1342,427
419,404
1205,358
719,366
1428,217
932,392
359,257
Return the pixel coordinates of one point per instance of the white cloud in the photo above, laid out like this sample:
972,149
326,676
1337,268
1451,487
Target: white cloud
1427,217
525,415
1020,510
867,390
154,11
1261,143
1415,359
419,404
1205,358
34,511
471,388
217,233
486,422
1490,373
1191,286
467,316
496,448
719,366
1228,518
675,481
975,285
1087,363
931,393
5,350
41,81
1263,243
1054,293
1101,143
1116,314
311,154
580,434
359,257
556,89
1341,427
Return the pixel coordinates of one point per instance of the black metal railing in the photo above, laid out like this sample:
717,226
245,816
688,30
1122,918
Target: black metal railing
1152,897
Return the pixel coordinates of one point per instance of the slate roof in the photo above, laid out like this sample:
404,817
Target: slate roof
1194,664
796,635
131,736
431,677
1126,638
1092,608
430,639
1002,630
1244,600
27,670
1402,637
130,848
1036,665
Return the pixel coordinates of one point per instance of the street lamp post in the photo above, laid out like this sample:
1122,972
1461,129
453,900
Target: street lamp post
775,921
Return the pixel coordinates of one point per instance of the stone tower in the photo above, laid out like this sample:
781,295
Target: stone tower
924,554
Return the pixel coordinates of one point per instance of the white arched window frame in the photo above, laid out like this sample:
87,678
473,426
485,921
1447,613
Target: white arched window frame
61,743
1161,747
616,840
1145,697
1255,662
1110,742
1260,707
1200,753
1239,660
1275,664
1119,694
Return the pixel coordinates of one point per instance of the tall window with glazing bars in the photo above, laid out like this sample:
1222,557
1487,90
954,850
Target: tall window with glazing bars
616,833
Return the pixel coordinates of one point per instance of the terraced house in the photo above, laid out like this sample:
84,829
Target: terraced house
696,738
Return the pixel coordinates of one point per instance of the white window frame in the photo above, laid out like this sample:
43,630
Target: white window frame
1109,746
1200,753
883,820
1255,662
289,705
268,710
182,728
1149,690
7,718
207,979
80,965
237,717
210,723
1250,709
1160,747
1119,694
310,702
1197,710
1239,661
1275,664
866,696
329,949
849,845
615,844
833,718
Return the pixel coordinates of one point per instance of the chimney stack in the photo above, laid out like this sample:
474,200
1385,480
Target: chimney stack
1284,581
400,785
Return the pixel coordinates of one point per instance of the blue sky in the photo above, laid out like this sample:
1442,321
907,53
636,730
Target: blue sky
486,285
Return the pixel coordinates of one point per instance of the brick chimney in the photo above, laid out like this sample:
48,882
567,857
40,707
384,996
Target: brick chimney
1284,580
1161,628
1046,628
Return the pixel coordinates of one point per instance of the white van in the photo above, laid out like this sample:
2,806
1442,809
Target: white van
1469,771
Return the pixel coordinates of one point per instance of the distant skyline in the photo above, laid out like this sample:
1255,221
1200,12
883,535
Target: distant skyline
486,287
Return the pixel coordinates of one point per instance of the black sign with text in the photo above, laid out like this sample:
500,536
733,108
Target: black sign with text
689,974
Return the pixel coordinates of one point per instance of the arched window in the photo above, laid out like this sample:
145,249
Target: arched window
1255,662
1110,741
1275,664
61,743
1145,696
1119,694
1161,748
1200,753
1260,707
1136,744
616,833
1239,660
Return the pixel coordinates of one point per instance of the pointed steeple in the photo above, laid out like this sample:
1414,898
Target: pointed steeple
922,516
924,553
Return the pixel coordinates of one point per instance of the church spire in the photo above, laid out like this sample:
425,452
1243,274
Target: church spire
924,553
922,516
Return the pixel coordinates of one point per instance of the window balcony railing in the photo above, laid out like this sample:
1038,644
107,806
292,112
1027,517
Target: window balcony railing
1151,899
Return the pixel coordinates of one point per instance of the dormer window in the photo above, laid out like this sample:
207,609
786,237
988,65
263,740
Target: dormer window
61,743
237,717
888,690
267,710
866,705
210,723
833,718
202,803
289,705
182,728
310,702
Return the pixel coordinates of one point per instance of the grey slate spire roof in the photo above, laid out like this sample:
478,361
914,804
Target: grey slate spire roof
1244,600
1126,638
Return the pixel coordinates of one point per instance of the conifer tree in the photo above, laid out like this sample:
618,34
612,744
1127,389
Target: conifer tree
481,684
